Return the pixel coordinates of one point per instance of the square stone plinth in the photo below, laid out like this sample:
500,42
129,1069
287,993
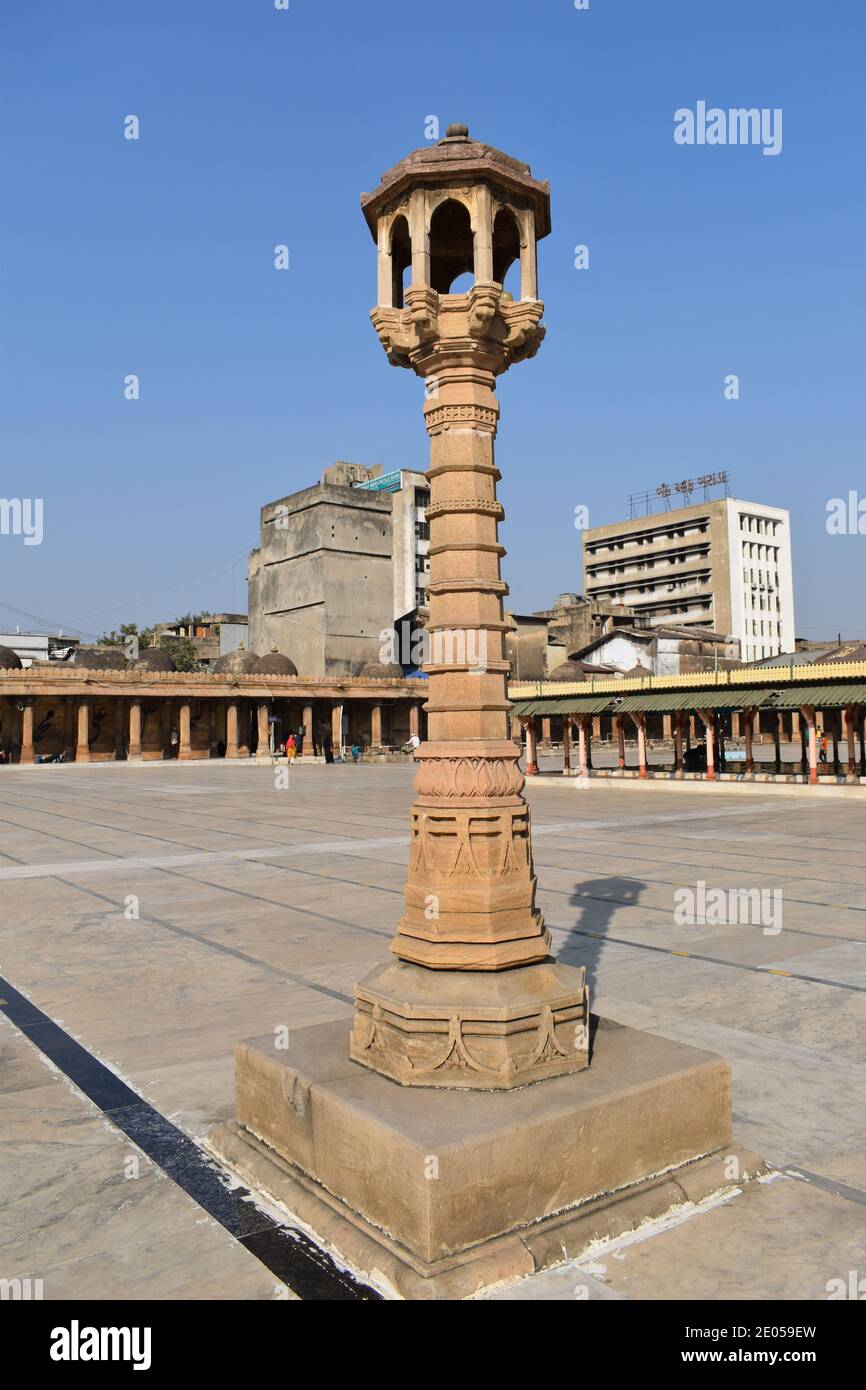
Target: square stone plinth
437,1172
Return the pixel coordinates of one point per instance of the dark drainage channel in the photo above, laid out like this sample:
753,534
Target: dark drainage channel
287,1252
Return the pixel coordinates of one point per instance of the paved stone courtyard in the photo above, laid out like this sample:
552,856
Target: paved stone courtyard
158,913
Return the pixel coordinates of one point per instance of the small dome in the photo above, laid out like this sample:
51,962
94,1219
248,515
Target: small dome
569,671
100,659
382,671
273,663
9,660
237,663
153,659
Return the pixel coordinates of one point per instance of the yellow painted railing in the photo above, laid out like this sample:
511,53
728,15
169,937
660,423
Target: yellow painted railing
773,676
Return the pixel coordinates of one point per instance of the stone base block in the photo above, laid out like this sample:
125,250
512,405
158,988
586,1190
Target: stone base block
426,1027
444,1177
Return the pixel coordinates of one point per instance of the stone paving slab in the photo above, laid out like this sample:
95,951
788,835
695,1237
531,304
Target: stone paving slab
259,908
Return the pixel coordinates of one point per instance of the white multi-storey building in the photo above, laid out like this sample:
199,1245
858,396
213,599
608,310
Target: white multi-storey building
723,565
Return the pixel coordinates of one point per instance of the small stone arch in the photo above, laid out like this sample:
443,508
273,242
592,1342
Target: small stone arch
401,257
452,244
506,243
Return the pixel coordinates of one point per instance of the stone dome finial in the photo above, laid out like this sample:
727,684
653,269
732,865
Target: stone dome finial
457,132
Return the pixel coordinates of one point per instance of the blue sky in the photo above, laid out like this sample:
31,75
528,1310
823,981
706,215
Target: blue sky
261,127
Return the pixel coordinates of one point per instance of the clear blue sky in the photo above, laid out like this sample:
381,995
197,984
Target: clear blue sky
261,127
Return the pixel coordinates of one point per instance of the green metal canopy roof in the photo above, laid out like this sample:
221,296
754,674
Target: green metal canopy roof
833,695
823,696
666,701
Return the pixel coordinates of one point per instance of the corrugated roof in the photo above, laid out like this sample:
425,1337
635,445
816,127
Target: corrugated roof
824,696
566,704
834,696
666,701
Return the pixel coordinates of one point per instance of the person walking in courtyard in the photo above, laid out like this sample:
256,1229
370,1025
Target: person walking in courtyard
823,752
328,748
356,753
291,747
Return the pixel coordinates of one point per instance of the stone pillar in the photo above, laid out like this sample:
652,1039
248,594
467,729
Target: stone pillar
337,728
243,728
666,726
184,748
545,730
263,745
232,729
419,1019
748,717
212,727
807,713
309,738
82,748
515,729
134,752
483,234
119,730
531,747
415,720
28,753
376,726
566,745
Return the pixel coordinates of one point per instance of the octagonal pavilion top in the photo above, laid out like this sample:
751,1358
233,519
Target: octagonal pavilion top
454,158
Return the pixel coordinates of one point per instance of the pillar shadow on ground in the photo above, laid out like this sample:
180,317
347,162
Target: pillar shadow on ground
597,901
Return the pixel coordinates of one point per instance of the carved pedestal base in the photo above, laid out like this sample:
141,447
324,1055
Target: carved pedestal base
467,1030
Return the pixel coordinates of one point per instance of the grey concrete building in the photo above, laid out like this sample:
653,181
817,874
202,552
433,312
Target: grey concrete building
338,563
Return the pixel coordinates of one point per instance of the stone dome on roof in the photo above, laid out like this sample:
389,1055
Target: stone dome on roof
382,671
237,663
153,659
273,663
569,671
638,670
95,659
9,660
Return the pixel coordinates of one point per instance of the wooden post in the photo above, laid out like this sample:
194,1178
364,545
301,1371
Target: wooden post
709,739
808,713
582,770
850,727
678,743
531,747
620,739
639,722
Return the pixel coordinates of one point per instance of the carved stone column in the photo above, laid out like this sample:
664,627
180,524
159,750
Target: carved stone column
184,750
82,749
376,726
134,754
232,729
452,1010
28,754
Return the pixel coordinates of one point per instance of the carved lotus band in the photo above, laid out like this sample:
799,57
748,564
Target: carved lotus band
450,778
